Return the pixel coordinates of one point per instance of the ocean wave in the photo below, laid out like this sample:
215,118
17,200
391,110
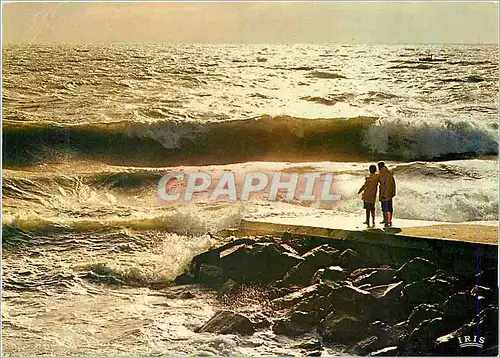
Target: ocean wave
426,141
158,257
168,143
325,75
183,220
469,79
418,66
266,138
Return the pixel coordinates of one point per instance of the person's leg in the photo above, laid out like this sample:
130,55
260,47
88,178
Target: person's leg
373,217
389,212
383,204
367,222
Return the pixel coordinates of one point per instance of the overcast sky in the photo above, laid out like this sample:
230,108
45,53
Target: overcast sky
252,22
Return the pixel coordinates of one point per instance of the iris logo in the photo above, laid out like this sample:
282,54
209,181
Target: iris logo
471,341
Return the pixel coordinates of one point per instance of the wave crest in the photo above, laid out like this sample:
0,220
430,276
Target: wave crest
420,141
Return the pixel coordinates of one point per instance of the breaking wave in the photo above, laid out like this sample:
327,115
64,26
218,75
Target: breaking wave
423,141
265,138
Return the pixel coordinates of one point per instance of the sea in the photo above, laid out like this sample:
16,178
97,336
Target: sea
90,129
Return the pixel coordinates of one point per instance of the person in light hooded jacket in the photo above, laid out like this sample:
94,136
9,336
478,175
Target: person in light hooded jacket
387,191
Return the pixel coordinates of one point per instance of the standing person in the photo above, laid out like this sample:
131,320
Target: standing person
369,197
387,191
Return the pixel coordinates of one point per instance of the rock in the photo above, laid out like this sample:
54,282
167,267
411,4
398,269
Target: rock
488,278
422,313
485,329
389,306
370,344
210,275
350,299
365,286
322,255
311,344
321,290
351,260
186,295
185,279
228,288
288,328
484,293
388,335
306,319
313,308
228,322
421,340
461,307
391,291
331,273
313,354
372,276
259,263
315,259
385,352
260,321
416,269
427,291
341,328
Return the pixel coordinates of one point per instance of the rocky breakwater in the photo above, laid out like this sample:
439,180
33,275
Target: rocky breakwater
342,298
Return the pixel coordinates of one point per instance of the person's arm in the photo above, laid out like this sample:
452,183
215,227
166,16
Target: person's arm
363,187
382,179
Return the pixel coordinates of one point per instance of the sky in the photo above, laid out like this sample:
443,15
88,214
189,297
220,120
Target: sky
251,22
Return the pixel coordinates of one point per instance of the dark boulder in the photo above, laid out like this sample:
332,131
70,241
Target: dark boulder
427,291
310,310
351,260
258,263
367,345
210,275
421,340
322,255
391,291
319,257
488,278
483,330
260,321
484,293
331,273
416,269
422,312
350,299
372,276
186,295
388,335
297,323
311,344
291,299
288,328
389,307
185,278
462,307
342,328
228,322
